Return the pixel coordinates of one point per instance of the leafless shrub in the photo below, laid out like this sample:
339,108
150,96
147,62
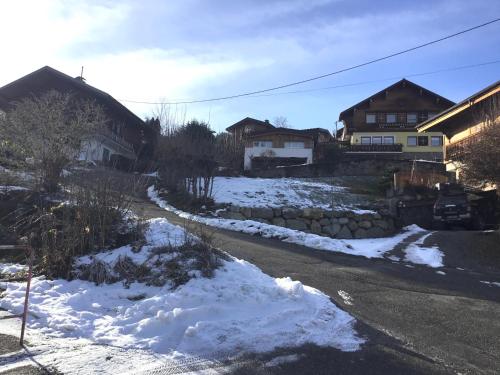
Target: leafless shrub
187,160
481,156
97,272
50,129
93,219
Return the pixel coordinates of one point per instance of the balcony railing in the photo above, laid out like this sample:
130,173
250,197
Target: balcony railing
397,125
397,147
106,133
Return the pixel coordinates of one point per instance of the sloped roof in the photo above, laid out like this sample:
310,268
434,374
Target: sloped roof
247,120
404,81
286,131
434,122
47,78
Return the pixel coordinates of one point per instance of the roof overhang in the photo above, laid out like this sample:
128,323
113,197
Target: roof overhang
437,123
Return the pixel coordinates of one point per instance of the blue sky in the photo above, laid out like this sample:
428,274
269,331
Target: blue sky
191,49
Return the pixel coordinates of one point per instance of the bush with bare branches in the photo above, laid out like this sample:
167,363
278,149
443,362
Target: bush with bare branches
481,158
50,129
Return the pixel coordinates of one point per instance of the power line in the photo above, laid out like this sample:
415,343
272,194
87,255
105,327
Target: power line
327,74
380,80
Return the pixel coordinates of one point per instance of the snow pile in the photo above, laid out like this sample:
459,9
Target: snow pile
11,268
8,188
418,254
370,248
239,309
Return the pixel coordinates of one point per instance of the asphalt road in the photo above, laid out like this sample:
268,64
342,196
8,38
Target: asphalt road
416,320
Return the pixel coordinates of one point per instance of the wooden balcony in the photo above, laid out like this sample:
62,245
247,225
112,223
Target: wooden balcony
397,125
375,148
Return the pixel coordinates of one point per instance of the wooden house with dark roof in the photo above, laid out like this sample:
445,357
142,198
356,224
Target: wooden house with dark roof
126,137
269,146
462,123
386,123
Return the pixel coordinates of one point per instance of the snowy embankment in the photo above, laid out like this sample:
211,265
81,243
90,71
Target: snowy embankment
369,248
275,192
240,309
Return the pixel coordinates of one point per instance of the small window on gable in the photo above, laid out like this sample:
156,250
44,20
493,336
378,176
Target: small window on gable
391,118
377,140
268,144
411,118
366,140
371,118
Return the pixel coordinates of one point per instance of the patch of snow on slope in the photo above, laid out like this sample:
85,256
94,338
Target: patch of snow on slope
239,309
11,268
418,254
491,283
370,247
277,192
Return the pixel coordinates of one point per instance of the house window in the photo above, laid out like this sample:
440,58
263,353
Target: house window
411,141
268,144
422,116
390,118
411,118
423,140
389,140
105,154
371,118
294,144
366,140
377,140
436,141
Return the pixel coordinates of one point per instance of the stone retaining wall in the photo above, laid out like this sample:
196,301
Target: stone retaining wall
335,224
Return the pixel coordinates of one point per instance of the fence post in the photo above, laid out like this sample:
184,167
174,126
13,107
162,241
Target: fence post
27,294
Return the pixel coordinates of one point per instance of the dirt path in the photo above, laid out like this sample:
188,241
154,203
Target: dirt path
417,321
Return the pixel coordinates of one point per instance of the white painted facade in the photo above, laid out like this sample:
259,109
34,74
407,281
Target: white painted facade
100,148
283,152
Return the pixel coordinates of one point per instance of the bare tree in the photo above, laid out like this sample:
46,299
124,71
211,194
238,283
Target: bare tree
281,122
481,157
187,160
50,129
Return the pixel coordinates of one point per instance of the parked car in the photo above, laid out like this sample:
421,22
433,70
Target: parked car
458,205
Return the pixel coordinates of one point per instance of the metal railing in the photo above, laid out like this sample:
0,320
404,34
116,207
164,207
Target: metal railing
105,132
397,147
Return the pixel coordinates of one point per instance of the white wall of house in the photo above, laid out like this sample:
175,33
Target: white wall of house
283,152
94,150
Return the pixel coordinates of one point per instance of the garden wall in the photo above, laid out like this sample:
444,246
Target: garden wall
351,167
335,224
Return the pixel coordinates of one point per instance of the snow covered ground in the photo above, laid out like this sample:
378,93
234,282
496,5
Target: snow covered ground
240,309
419,254
369,248
280,192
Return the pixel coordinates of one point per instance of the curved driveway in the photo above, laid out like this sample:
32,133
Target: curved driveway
416,320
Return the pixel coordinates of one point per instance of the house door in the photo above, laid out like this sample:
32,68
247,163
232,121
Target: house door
105,155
